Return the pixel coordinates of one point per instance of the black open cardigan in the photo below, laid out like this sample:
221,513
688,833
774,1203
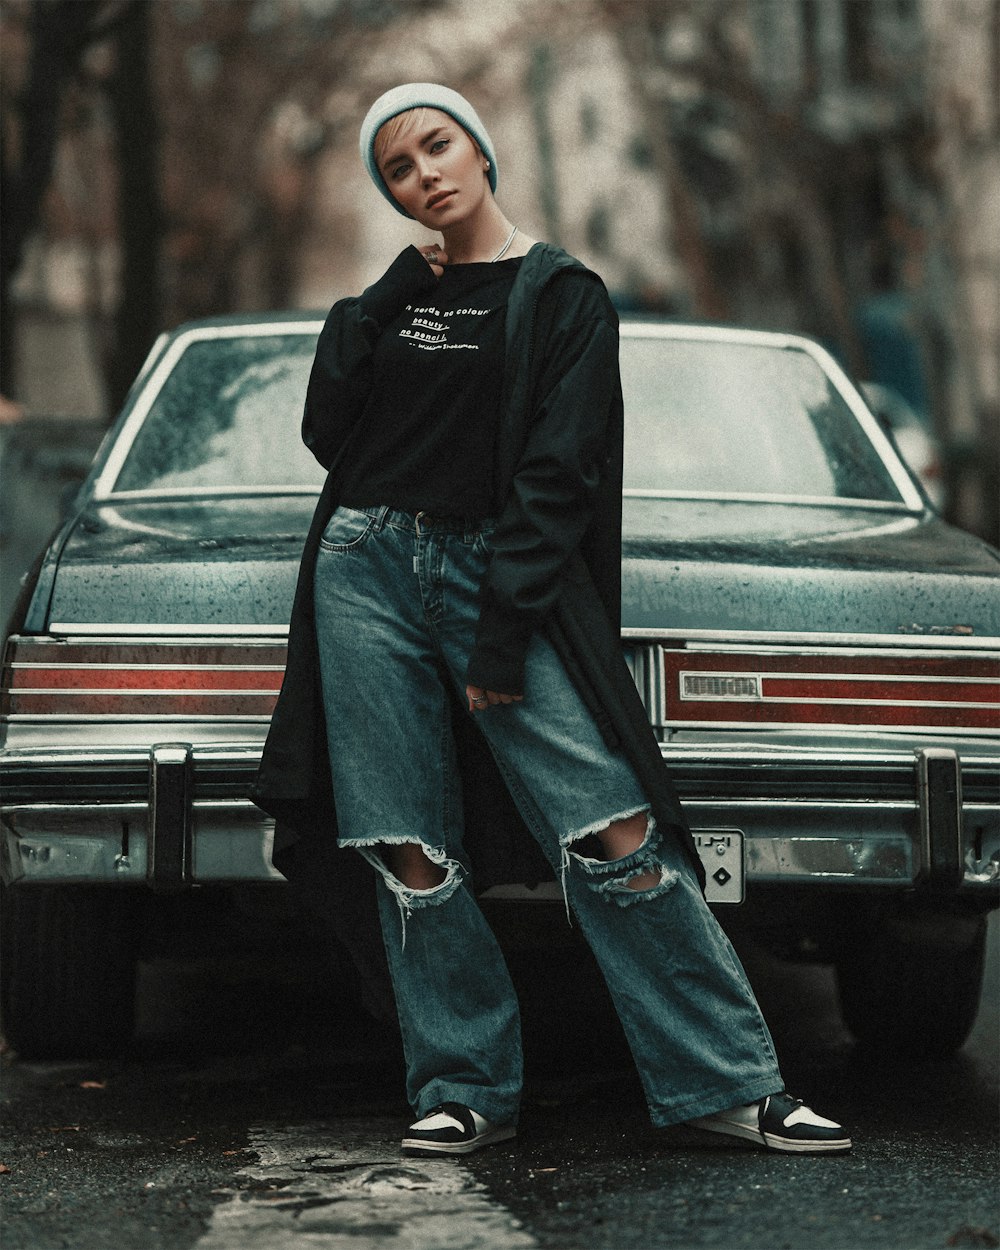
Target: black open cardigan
556,566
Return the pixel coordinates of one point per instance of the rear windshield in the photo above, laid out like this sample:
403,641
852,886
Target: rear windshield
228,415
729,418
715,417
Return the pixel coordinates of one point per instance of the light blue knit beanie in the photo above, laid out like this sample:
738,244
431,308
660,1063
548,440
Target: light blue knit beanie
414,95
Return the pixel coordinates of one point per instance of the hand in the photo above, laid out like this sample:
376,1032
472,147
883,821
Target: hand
480,699
435,256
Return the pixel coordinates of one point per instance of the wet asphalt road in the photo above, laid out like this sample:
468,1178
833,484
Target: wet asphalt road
257,1108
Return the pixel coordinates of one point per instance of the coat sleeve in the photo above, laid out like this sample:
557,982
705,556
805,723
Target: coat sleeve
342,372
552,495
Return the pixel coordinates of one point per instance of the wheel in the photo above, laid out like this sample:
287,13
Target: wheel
68,971
910,982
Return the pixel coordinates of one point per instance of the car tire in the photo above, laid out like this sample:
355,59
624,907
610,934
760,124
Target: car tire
910,982
68,970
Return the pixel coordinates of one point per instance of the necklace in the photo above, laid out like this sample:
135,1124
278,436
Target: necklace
509,240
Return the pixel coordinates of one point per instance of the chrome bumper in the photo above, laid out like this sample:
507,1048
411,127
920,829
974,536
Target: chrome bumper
169,817
177,815
895,818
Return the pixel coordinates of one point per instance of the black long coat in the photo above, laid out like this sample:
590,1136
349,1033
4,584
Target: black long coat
568,573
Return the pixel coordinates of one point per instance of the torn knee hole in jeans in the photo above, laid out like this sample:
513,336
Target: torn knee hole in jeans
638,875
412,898
619,890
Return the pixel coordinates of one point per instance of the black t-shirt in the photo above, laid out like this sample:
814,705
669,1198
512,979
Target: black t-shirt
430,424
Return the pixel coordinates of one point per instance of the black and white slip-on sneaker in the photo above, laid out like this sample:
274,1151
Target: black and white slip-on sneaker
778,1122
452,1129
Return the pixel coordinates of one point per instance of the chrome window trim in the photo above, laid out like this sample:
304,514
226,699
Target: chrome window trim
211,492
798,501
160,343
628,492
103,485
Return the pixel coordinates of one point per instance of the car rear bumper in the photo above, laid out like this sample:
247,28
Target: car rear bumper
169,817
884,816
176,814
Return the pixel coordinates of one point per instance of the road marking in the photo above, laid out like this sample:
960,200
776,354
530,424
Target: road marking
328,1185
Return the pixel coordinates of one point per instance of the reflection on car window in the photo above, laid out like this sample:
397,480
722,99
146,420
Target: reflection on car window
227,415
733,418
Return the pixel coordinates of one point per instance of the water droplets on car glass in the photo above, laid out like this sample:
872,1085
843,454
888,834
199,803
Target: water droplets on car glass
737,418
227,415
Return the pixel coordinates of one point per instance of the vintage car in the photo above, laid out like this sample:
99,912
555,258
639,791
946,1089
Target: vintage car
818,652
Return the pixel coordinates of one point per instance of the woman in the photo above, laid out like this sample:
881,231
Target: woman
467,546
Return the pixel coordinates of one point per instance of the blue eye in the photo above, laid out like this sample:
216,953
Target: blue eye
439,143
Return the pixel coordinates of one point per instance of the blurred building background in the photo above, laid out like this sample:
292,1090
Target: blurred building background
831,166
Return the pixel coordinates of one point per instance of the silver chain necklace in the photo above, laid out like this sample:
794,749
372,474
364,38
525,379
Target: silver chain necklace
509,240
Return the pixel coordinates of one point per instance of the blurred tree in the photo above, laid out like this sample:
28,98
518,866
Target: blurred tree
61,31
746,175
641,33
956,261
249,93
212,114
138,315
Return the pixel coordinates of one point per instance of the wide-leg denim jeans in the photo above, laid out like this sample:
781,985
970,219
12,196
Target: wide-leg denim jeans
396,609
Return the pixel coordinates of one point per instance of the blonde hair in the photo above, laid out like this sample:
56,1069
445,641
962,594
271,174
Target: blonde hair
403,123
396,127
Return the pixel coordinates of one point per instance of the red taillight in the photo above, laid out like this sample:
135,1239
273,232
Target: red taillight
719,688
147,680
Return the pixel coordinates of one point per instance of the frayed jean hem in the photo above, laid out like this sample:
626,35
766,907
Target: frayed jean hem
711,1104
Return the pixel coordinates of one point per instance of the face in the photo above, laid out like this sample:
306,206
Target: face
432,166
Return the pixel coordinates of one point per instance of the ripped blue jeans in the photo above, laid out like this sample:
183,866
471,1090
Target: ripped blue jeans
396,608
